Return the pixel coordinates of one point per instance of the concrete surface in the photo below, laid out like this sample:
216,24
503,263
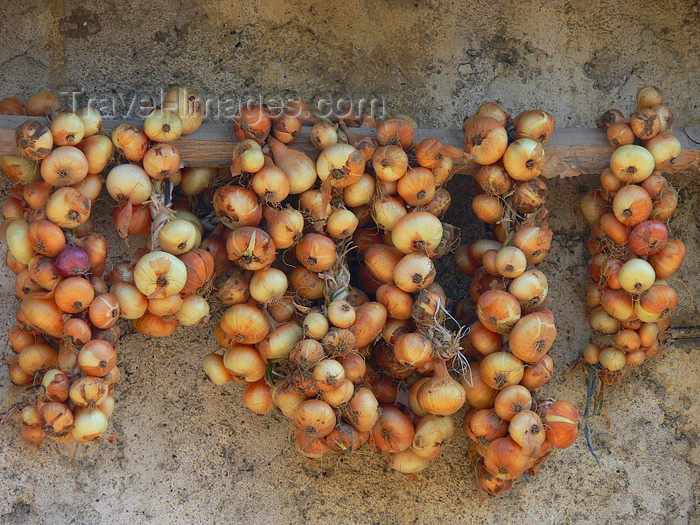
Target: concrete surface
187,451
436,60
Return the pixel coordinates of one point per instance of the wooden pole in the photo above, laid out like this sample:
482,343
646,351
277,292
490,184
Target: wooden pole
570,153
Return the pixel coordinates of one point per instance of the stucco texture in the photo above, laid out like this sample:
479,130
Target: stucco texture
187,451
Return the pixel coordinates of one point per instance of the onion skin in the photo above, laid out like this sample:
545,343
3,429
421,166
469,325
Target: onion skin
561,422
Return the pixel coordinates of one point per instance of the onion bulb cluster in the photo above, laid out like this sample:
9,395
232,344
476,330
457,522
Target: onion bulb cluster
66,332
164,285
633,253
334,313
512,427
67,324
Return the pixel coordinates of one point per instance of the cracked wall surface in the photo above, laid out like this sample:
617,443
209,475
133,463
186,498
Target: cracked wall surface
436,60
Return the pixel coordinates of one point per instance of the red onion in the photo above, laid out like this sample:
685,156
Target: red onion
72,261
648,238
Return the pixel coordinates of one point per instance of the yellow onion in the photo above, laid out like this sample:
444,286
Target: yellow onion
417,232
98,151
196,179
130,141
387,211
645,123
486,138
251,248
163,125
316,252
501,369
159,274
523,160
287,398
68,208
244,361
257,397
284,226
369,321
631,163
20,169
128,182
664,147
64,166
161,161
194,310
67,129
534,124
408,462
18,241
390,163
414,272
245,324
88,425
532,337
92,120
359,192
342,164
279,342
33,139
298,167
314,418
188,105
177,236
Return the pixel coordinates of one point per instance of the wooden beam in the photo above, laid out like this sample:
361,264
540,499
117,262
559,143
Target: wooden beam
570,153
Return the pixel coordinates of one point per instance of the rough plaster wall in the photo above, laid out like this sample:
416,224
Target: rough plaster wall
436,60
187,451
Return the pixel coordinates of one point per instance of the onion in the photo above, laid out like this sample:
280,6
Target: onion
128,182
163,125
298,167
316,252
441,395
631,163
505,459
532,337
523,159
188,105
668,260
34,140
245,324
417,232
561,422
664,147
648,237
159,274
397,131
251,248
314,418
237,206
18,241
42,103
498,311
487,139
488,208
645,123
501,369
620,134
632,205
